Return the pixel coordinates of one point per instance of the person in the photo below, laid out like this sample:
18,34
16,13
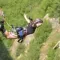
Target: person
21,32
29,29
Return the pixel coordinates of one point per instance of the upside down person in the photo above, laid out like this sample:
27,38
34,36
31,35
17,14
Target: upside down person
29,29
21,32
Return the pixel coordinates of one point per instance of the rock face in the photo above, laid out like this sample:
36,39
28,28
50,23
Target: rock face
55,29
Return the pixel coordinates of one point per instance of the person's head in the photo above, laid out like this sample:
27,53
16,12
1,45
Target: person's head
38,22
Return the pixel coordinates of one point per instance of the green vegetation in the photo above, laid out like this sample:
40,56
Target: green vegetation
14,10
40,37
54,54
4,53
51,54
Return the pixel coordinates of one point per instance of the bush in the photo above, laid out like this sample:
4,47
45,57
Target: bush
40,37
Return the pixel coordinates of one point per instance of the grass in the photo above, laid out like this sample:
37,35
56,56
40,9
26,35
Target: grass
54,54
20,50
41,36
14,11
4,53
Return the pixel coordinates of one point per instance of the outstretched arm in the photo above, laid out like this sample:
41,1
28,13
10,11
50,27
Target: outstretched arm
27,19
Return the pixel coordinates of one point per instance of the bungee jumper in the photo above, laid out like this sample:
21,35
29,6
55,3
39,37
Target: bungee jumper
29,29
21,31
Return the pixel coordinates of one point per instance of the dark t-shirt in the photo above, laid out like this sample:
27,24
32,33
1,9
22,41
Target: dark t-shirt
30,29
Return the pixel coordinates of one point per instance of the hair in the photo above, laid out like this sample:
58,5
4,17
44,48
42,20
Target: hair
38,21
34,22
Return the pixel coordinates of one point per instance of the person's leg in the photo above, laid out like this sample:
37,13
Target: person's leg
10,35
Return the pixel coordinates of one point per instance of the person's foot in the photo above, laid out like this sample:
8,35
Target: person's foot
20,41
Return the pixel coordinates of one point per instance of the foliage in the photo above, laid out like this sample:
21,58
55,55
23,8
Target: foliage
20,50
4,53
14,10
41,35
53,54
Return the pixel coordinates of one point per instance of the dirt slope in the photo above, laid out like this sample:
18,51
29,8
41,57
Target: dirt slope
51,38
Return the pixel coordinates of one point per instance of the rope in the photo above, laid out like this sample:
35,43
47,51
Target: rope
8,24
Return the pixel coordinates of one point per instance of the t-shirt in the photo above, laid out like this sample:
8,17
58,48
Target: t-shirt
30,29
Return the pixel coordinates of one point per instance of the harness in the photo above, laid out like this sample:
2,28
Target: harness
20,33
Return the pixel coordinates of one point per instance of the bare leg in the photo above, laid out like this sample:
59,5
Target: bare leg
10,35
